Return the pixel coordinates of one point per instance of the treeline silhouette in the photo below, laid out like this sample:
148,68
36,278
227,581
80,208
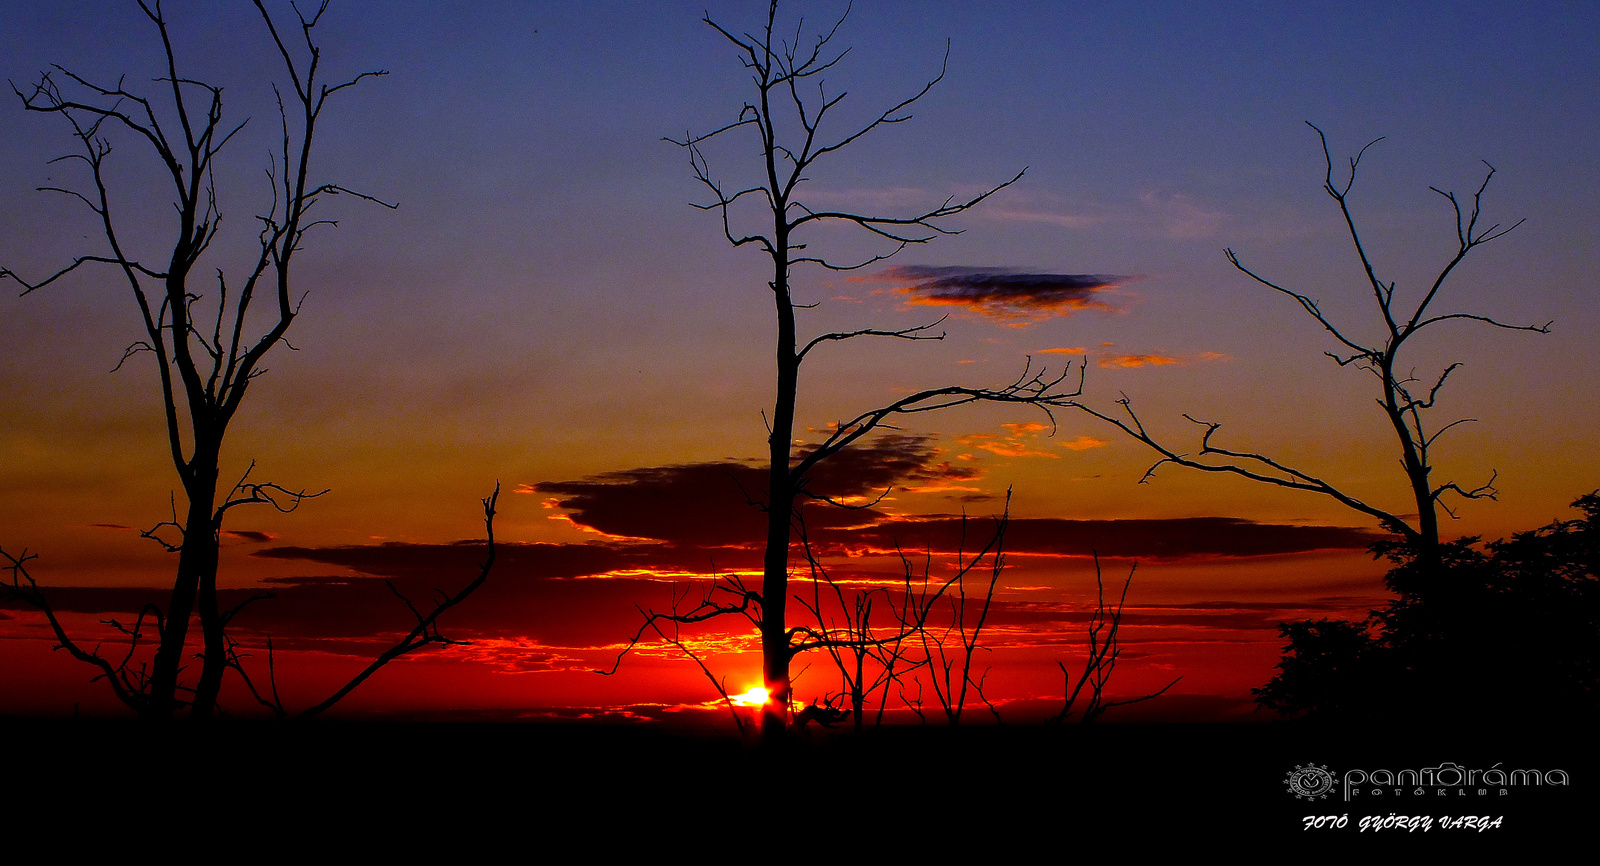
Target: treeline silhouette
1500,632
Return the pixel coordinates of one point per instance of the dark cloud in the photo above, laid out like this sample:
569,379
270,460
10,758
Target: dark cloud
710,504
530,594
405,560
703,504
1052,622
532,591
553,612
248,535
538,593
1171,538
95,599
1002,292
697,519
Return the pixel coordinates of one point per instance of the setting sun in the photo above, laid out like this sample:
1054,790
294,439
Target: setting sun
757,696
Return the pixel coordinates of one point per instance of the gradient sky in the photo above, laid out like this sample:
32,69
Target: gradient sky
545,309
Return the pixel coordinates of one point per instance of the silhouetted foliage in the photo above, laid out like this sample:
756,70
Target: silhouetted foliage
1328,672
1495,631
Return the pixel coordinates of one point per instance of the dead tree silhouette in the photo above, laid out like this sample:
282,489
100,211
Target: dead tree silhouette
129,681
932,629
205,356
1400,392
1100,657
786,117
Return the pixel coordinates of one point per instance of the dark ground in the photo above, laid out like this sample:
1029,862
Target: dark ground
536,791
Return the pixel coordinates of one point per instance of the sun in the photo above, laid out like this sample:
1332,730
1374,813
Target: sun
757,696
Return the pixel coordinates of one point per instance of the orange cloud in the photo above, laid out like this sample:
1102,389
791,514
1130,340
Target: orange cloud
1019,442
1137,361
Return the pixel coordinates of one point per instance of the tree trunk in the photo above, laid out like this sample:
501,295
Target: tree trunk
196,580
780,506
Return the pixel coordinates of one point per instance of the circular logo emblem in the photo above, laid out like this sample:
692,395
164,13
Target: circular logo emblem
1309,782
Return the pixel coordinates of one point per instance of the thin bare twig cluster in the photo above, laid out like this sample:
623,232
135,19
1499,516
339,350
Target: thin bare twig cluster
1100,657
1402,395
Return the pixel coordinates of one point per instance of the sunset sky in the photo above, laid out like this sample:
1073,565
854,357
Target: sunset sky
545,309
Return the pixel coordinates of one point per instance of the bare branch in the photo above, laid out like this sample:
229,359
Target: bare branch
1403,410
1032,388
129,685
916,332
426,631
708,609
1100,656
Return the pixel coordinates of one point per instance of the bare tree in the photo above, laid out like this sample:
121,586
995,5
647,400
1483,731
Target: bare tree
1100,657
951,645
129,680
932,627
1403,397
786,117
711,606
207,351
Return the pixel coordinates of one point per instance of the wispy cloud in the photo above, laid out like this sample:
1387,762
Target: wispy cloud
1066,220
1153,211
1137,361
1001,293
1180,216
1109,359
1021,440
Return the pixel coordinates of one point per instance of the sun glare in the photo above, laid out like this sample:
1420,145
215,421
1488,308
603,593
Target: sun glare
756,697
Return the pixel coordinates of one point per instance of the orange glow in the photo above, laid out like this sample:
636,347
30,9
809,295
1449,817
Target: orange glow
757,696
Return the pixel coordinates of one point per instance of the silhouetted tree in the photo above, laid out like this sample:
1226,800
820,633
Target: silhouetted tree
1403,398
931,627
1100,657
950,644
206,350
1500,631
130,682
786,117
1329,670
